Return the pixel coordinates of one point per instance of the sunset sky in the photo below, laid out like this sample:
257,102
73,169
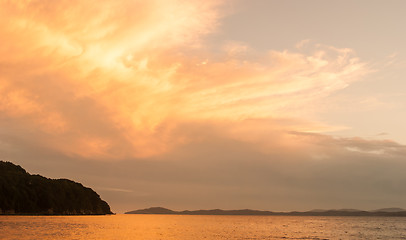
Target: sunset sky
190,104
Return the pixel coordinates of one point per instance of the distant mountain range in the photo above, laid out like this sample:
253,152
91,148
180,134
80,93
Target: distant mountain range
398,212
24,194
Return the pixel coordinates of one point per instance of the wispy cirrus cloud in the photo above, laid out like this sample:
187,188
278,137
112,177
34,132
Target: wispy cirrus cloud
118,80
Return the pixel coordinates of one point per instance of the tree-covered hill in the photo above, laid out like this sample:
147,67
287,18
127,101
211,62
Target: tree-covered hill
23,193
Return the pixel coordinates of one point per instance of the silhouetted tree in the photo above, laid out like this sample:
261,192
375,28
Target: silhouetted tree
22,193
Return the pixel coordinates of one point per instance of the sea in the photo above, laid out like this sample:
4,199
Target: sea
179,227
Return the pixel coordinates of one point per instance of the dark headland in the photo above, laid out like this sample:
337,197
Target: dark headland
393,212
24,194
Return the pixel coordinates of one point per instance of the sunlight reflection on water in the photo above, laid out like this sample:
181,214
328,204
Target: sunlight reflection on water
168,227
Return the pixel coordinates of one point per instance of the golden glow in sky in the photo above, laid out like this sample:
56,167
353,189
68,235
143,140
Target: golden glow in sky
208,92
119,82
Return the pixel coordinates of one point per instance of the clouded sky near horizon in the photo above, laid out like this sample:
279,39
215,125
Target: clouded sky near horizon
277,105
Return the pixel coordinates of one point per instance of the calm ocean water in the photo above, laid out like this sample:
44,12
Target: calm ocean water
167,227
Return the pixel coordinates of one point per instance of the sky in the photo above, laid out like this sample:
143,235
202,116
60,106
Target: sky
188,104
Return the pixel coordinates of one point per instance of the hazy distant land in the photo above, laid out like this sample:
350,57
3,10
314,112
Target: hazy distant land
398,212
24,194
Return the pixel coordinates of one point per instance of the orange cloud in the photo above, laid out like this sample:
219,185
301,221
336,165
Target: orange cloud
118,79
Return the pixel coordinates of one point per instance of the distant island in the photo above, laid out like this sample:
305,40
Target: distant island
24,194
390,212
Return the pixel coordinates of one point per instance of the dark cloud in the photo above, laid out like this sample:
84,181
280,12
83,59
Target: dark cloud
217,171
